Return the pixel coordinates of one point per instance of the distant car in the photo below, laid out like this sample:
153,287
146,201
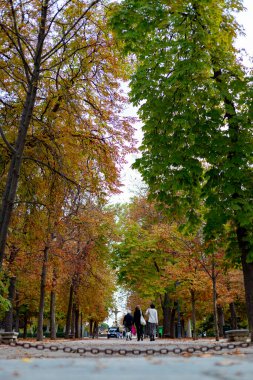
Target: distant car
113,332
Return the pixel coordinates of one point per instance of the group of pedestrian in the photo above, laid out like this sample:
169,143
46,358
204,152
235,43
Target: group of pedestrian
138,322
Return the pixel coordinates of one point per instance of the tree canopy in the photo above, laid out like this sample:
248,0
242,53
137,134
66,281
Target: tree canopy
195,101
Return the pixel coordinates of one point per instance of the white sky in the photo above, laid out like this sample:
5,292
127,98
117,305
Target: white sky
246,20
131,179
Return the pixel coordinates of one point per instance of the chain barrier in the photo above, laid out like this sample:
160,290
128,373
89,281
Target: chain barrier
124,352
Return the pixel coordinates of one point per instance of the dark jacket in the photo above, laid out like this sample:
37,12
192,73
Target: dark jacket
128,320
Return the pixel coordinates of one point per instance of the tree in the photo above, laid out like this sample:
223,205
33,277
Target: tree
47,266
195,101
87,278
145,256
60,78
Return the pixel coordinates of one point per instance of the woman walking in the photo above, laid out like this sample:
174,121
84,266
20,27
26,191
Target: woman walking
137,322
152,321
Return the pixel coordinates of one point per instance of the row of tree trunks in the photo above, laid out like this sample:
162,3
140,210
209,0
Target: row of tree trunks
219,320
74,317
77,332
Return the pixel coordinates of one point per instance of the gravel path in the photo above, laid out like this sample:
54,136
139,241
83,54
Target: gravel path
33,364
101,344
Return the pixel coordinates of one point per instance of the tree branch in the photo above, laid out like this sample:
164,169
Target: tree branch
62,40
9,146
52,169
21,53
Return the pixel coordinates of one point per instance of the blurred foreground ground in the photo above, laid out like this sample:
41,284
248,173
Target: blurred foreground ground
26,364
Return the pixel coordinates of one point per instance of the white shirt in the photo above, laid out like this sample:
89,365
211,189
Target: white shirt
152,316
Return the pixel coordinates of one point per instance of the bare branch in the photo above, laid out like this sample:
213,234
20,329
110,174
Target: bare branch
52,169
56,14
59,44
9,146
21,52
68,56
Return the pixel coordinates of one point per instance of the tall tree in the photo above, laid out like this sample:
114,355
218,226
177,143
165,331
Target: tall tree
60,78
195,101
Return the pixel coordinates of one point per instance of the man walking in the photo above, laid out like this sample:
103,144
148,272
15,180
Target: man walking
152,321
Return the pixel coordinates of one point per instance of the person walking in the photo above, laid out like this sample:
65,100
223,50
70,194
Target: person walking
137,322
152,321
128,323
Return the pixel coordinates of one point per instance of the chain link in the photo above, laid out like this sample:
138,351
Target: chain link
124,352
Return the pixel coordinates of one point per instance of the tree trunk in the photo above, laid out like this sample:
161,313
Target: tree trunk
17,319
193,302
247,268
243,237
220,320
42,294
69,312
73,320
172,323
182,327
90,327
248,284
25,325
15,165
215,317
52,315
166,315
77,331
81,324
17,312
8,320
53,306
233,318
95,330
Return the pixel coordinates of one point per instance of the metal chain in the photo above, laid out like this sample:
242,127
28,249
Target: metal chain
125,352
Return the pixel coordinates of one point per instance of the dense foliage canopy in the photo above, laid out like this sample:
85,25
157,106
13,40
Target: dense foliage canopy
195,99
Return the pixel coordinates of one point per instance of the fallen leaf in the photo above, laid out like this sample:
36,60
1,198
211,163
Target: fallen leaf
225,363
204,355
26,360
